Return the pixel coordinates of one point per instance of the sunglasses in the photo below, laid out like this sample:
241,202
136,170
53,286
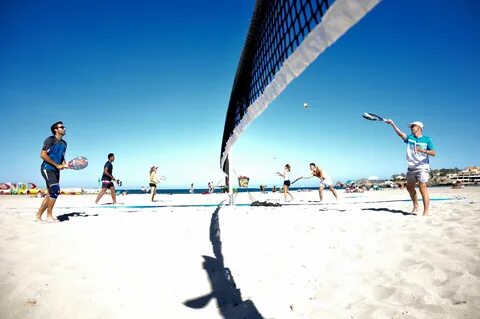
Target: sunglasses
61,127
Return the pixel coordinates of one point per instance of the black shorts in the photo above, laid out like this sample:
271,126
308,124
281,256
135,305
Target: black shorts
286,183
107,184
152,185
51,177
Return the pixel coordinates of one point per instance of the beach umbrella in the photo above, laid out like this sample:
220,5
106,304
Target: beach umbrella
349,182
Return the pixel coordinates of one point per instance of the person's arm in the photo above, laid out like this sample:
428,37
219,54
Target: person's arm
303,177
105,171
402,135
430,151
44,156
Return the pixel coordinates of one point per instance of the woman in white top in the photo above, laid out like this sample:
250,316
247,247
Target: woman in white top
286,181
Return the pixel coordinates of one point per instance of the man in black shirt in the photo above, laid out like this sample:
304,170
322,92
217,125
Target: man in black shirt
108,179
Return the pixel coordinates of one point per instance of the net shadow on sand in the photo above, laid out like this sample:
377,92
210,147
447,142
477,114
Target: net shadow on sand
229,298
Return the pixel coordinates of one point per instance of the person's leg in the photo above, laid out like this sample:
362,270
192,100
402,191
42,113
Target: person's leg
426,198
320,192
411,181
51,203
154,191
50,178
42,208
333,191
288,191
100,195
114,196
285,191
413,195
54,191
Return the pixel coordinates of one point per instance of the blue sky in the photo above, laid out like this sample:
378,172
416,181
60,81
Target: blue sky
150,81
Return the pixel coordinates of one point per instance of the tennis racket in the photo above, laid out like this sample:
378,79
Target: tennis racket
373,117
78,163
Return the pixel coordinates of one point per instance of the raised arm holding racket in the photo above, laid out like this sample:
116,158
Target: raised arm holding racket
419,148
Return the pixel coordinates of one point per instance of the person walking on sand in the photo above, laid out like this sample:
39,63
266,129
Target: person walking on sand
325,180
53,156
153,181
419,148
286,181
108,179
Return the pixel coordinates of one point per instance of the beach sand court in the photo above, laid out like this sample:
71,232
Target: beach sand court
184,256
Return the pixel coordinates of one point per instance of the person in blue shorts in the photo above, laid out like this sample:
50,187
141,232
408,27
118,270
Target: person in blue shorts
53,156
419,148
108,179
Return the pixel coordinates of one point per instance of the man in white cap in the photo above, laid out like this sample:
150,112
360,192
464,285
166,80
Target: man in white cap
419,148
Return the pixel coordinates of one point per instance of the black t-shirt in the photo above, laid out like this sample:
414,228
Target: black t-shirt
109,167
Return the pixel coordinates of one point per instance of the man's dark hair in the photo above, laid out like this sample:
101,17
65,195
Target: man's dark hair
110,155
54,126
313,164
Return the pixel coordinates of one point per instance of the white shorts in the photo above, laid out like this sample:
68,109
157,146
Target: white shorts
327,182
421,176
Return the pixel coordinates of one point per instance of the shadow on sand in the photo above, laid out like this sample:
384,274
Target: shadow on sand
65,217
394,211
224,289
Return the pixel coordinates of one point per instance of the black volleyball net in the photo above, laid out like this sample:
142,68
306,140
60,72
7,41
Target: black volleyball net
284,38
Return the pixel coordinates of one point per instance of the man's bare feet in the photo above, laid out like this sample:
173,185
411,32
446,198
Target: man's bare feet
415,209
51,219
38,218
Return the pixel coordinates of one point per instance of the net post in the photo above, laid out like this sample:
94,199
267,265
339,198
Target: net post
230,180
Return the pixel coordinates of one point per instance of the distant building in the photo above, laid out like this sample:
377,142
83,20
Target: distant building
471,170
468,176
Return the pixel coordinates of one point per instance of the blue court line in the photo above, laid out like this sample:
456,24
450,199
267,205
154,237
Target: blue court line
374,202
162,206
248,205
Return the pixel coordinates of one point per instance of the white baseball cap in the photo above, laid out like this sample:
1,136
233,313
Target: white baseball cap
417,123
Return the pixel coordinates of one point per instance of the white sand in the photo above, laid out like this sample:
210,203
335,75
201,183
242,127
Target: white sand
359,258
